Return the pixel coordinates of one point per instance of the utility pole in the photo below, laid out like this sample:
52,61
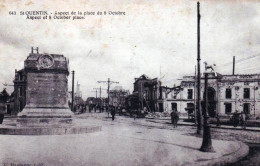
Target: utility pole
96,92
72,95
199,122
108,82
195,100
100,91
206,142
234,65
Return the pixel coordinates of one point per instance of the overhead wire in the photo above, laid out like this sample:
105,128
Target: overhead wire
240,63
241,60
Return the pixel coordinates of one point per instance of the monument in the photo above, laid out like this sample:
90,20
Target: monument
46,90
46,111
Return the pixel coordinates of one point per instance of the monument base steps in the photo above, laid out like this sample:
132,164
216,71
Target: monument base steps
46,126
45,113
63,130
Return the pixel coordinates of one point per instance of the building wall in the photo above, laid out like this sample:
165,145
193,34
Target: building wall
236,83
237,99
180,97
148,96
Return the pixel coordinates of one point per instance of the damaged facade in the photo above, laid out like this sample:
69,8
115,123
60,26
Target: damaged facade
147,93
226,94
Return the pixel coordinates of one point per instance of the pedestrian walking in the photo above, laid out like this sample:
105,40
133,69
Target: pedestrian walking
90,108
235,119
113,112
218,121
243,120
135,114
172,117
175,118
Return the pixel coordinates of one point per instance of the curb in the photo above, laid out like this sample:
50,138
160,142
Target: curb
227,158
211,126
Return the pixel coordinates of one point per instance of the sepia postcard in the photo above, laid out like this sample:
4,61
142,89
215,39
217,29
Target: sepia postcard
129,83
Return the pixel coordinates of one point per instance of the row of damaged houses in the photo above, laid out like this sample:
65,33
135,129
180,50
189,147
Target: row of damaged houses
226,94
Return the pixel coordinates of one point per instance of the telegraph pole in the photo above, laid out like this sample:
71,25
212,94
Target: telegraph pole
96,92
100,91
206,142
108,82
233,65
198,77
195,100
72,95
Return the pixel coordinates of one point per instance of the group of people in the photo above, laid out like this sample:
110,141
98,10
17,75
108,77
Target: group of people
236,119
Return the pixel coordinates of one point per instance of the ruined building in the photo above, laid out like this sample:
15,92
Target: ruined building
146,91
226,94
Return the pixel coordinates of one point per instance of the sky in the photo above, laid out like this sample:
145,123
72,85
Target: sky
155,38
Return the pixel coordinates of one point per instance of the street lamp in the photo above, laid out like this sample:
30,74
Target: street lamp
206,142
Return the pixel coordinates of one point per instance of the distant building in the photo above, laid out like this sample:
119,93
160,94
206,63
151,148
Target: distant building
147,90
117,96
19,93
78,96
226,94
78,100
10,105
7,100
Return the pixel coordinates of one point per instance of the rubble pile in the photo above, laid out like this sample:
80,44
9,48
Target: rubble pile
158,114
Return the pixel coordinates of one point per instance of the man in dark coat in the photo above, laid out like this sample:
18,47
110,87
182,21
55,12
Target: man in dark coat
113,112
235,118
218,120
174,118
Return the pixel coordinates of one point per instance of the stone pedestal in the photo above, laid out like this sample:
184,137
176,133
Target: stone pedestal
46,111
46,91
43,122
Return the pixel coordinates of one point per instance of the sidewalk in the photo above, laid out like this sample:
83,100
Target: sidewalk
167,120
120,142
